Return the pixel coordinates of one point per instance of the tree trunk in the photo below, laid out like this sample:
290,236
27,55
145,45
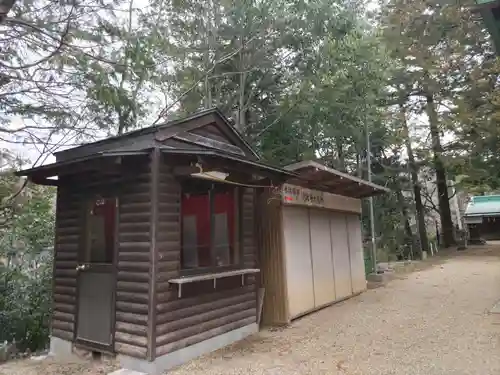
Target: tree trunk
207,102
406,217
340,162
122,124
404,212
441,181
419,207
241,118
216,25
359,165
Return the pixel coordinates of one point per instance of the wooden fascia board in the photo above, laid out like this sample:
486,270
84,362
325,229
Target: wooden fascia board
209,143
180,131
162,135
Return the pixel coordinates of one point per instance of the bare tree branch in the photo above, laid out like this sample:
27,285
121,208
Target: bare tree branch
223,59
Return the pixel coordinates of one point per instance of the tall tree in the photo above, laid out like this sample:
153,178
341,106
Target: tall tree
434,42
45,49
417,194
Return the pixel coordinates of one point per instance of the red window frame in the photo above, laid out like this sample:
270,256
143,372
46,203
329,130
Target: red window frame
219,198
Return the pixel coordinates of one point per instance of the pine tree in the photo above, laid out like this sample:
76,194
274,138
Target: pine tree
433,42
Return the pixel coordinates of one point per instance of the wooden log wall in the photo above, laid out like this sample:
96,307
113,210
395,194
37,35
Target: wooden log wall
202,312
131,184
67,239
134,261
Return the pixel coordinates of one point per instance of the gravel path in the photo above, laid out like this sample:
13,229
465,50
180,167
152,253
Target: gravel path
434,322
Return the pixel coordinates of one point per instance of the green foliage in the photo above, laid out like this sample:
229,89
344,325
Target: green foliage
26,303
26,242
474,153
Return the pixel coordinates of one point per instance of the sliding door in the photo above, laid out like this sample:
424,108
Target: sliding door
322,263
298,260
340,253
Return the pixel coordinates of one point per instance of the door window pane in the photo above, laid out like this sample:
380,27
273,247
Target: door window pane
101,231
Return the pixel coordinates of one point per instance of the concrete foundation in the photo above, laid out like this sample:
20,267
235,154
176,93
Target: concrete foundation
61,349
170,360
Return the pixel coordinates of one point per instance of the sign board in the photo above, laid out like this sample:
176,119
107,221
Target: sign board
299,195
296,195
473,220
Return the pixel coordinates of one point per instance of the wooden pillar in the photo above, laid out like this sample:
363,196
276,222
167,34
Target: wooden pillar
154,175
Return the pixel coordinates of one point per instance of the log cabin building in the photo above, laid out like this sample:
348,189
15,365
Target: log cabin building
156,243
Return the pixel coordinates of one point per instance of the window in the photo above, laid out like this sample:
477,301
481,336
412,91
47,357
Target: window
210,224
101,231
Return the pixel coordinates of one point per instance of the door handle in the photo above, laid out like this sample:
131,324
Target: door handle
81,267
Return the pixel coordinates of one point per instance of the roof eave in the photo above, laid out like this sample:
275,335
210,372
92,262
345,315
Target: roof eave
55,166
310,164
231,157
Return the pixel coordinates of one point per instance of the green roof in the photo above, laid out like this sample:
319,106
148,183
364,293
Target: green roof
490,12
483,205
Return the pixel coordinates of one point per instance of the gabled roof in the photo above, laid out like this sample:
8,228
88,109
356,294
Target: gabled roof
483,205
145,137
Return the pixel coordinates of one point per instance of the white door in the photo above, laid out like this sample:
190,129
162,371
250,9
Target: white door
340,252
322,264
356,254
298,260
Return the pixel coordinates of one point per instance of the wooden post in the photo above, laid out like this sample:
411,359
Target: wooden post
151,334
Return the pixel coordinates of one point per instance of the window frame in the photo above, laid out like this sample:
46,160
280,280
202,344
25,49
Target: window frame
238,230
85,254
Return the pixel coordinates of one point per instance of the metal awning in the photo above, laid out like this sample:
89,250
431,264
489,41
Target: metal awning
241,164
314,175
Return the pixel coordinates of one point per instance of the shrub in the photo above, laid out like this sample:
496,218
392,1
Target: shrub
25,304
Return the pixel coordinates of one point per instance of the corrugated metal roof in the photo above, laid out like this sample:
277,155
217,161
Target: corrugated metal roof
483,205
327,179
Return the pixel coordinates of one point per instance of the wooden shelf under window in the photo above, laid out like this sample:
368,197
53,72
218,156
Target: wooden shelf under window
211,276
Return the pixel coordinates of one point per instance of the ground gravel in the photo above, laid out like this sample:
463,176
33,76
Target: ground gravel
434,321
51,366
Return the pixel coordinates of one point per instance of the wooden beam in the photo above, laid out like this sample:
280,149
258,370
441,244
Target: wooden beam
209,142
43,181
155,181
186,170
170,131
